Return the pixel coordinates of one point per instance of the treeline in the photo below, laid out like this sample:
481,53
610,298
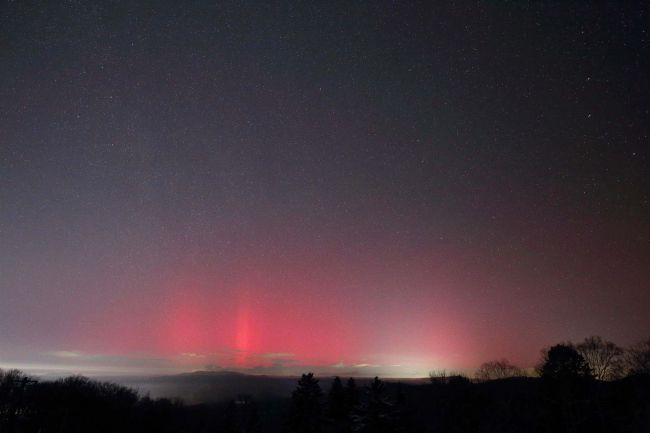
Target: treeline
78,404
599,358
592,386
347,408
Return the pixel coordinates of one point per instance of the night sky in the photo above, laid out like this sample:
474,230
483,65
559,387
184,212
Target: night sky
362,186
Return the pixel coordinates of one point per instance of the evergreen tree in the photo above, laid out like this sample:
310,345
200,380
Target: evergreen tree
375,414
351,394
241,415
337,407
306,414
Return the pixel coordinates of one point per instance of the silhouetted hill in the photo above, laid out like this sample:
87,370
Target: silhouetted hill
211,387
218,386
235,402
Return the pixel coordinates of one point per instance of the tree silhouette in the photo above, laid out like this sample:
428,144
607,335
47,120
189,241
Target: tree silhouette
498,370
401,410
306,414
438,376
80,405
336,404
563,361
13,404
637,358
605,359
351,394
565,389
375,414
241,415
338,408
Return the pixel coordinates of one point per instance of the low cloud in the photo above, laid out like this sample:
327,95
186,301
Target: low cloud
67,354
192,355
70,361
277,355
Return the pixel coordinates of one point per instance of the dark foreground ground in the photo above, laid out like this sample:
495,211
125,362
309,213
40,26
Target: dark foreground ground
451,405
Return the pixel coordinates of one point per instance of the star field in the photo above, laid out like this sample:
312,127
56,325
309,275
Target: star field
321,183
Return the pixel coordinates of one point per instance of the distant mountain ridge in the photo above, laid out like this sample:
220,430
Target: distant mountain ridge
218,386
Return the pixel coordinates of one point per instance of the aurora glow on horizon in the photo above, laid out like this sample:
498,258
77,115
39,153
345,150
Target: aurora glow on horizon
368,188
